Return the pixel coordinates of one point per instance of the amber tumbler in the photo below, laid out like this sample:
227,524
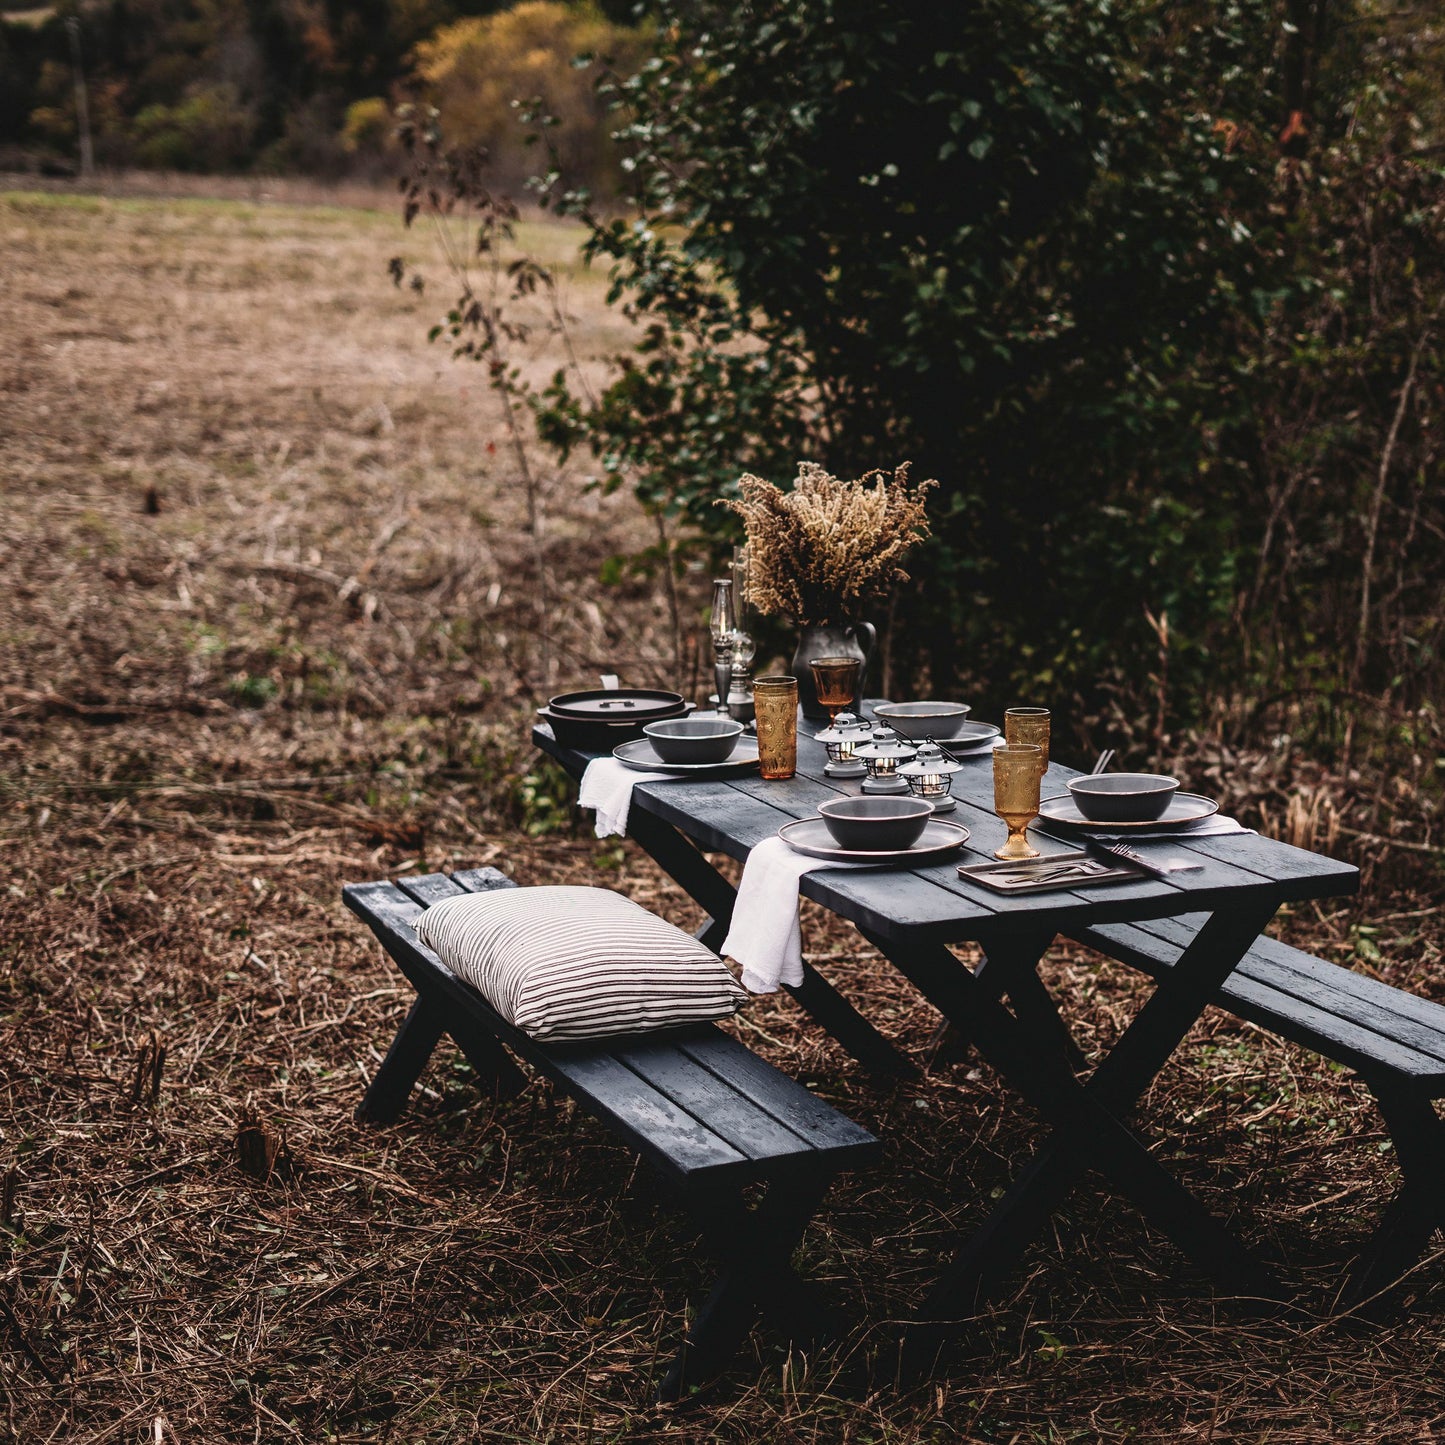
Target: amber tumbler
1017,769
1028,725
775,709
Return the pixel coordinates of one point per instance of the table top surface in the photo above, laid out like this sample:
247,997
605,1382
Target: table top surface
731,815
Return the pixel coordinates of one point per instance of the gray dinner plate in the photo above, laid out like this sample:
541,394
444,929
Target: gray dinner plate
1184,809
642,757
974,740
970,737
811,837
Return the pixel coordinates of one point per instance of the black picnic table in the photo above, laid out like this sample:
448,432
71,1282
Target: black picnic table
912,916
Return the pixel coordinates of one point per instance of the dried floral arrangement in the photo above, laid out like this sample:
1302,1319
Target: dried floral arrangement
822,550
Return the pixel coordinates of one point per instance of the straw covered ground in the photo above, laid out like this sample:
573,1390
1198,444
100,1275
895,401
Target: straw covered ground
269,623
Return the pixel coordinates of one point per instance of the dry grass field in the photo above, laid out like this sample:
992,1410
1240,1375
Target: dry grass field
268,624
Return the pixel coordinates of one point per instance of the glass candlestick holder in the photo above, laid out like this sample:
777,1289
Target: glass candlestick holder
723,628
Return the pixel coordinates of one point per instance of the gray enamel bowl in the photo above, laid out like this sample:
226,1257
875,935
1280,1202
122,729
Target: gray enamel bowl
919,720
1123,797
694,739
876,825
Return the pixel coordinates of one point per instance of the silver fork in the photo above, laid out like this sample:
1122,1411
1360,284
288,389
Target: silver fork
1159,870
1102,761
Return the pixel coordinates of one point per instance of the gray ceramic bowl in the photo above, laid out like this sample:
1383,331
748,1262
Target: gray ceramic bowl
694,739
876,825
919,720
1123,797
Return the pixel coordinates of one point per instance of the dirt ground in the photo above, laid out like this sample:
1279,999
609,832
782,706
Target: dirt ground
270,622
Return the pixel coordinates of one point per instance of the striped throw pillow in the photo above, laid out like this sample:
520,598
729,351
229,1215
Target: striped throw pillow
578,963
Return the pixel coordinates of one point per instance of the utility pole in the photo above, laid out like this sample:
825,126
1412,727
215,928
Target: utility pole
82,104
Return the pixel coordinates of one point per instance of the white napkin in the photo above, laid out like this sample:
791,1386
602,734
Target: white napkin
765,936
607,786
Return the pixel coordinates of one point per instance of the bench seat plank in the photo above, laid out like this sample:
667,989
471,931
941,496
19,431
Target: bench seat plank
429,888
788,1102
644,1116
733,1116
1419,1021
784,1098
1394,1040
1355,1020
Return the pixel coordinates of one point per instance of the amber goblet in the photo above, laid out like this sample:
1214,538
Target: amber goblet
1026,725
1017,770
836,679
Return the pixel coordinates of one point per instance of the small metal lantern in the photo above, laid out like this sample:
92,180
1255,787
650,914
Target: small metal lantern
882,755
843,738
930,776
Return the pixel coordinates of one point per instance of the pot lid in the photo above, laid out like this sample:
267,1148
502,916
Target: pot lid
619,704
624,727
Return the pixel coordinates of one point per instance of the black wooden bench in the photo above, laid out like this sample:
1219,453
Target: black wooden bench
1395,1042
709,1114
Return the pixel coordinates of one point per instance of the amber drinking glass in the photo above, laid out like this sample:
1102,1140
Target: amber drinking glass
775,709
1017,768
836,679
1025,725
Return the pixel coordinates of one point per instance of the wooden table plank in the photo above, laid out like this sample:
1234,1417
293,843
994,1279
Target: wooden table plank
1274,860
987,833
799,798
1305,874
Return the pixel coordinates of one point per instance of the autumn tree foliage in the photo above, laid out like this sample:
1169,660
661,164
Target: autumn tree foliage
482,71
307,85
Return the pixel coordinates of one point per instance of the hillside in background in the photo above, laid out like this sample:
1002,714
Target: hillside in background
294,85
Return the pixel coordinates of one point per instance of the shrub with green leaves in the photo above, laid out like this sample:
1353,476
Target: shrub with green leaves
1101,269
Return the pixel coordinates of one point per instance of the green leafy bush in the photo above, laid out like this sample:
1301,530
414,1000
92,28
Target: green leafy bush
1112,273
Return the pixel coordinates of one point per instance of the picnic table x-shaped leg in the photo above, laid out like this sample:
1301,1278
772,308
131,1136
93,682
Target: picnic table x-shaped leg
1026,1046
755,1246
680,858
1417,1211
